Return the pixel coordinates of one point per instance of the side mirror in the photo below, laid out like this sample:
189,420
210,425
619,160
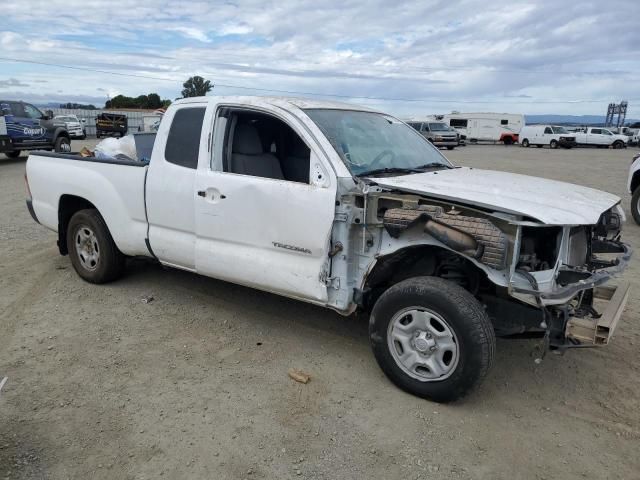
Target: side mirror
48,115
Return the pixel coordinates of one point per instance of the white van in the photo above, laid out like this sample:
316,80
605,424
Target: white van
552,135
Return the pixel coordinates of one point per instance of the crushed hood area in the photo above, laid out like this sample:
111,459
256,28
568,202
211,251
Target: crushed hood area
548,201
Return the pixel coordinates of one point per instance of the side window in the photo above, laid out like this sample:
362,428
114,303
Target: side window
458,122
17,109
504,122
548,130
414,125
32,112
261,145
183,142
425,127
596,131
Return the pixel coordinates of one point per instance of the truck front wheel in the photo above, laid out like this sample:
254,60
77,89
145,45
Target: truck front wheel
635,205
13,154
432,338
93,253
62,145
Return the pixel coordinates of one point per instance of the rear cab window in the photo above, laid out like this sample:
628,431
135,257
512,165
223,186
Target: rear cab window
183,141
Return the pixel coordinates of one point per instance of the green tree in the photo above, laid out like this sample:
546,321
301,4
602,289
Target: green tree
196,87
151,102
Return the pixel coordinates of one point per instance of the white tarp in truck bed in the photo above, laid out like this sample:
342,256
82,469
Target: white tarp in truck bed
548,201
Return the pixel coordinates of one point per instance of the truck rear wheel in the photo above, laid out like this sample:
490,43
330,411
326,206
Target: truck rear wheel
432,338
13,154
62,145
93,253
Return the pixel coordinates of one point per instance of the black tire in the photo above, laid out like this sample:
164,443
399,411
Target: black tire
525,142
635,205
465,317
110,262
13,154
553,144
508,140
450,148
62,145
618,144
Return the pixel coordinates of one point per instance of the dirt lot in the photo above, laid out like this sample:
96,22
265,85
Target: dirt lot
194,384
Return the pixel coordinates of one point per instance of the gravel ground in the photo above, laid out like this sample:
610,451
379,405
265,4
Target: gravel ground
194,383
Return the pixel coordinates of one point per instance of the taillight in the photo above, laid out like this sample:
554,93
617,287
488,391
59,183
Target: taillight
26,181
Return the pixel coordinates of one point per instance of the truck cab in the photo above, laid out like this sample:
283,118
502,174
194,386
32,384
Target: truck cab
25,127
601,137
438,133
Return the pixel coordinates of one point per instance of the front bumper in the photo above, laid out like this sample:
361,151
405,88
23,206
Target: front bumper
597,330
584,280
76,133
445,142
567,142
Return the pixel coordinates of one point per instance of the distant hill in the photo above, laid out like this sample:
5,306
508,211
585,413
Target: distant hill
570,119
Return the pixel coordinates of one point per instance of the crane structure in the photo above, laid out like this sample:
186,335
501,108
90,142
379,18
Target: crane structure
619,109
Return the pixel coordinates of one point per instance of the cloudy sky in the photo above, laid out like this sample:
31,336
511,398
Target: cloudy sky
542,56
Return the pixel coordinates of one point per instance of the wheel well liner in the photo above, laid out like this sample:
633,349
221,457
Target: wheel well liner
415,261
635,181
60,132
67,206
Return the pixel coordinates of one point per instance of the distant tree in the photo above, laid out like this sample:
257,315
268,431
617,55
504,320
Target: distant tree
151,102
196,87
154,101
79,106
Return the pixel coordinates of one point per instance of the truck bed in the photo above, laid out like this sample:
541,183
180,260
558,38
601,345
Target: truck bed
115,187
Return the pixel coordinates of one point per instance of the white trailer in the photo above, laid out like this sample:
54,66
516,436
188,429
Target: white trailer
486,127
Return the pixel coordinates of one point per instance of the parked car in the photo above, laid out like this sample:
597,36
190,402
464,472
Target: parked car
350,209
633,187
74,126
437,133
600,137
551,135
111,124
486,127
25,127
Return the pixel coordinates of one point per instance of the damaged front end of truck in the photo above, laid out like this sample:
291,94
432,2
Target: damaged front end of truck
534,279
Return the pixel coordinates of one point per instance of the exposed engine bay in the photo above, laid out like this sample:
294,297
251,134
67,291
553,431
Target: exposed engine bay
534,279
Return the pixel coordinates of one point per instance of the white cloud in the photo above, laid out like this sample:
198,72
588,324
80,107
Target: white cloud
516,57
191,32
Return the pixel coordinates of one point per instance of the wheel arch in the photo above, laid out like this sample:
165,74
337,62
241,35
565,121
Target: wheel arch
635,181
60,132
416,261
67,207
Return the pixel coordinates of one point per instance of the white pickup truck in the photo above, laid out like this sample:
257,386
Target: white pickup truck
601,137
353,210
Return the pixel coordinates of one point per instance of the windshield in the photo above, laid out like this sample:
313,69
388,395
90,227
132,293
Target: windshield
368,141
438,127
559,130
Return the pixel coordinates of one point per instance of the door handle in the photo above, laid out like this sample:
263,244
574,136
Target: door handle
202,193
